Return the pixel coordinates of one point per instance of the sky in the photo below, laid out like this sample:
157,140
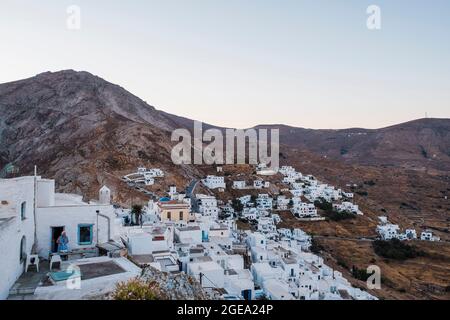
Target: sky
239,63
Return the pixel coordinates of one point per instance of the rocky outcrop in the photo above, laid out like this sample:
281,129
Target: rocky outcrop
175,286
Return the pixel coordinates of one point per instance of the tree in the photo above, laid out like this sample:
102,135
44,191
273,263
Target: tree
237,205
136,210
291,203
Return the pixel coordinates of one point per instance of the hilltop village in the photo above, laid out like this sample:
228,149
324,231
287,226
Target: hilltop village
226,236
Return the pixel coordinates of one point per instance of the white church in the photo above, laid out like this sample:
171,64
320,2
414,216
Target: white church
32,217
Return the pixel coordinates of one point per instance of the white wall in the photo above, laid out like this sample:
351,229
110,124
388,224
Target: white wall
143,244
13,228
189,236
70,217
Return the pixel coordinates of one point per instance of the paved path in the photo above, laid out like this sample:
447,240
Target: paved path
191,194
345,238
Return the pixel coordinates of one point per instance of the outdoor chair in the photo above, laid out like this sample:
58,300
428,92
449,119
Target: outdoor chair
32,259
56,258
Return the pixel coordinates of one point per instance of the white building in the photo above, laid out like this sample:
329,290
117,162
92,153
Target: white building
303,209
388,231
33,215
214,182
239,185
258,184
209,273
347,206
245,200
16,229
427,235
190,234
207,205
146,240
264,201
282,202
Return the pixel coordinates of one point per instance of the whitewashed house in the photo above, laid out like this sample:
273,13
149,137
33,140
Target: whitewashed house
33,216
303,209
214,182
17,227
258,184
347,206
250,213
207,205
208,272
263,271
239,282
264,201
190,234
245,200
427,235
282,202
296,192
241,184
149,239
388,231
411,234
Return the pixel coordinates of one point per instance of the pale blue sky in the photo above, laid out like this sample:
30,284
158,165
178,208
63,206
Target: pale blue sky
241,63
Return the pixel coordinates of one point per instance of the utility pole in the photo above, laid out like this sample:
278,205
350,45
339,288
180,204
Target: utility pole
34,209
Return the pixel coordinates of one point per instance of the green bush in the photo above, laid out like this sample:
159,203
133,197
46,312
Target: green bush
316,247
136,289
395,249
338,216
360,274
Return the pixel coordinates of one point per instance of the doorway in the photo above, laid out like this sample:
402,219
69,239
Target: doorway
55,233
247,294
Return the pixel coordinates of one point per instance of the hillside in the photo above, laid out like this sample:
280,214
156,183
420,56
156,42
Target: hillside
83,131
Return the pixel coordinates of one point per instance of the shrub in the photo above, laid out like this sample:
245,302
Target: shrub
136,289
324,205
316,247
338,216
395,249
342,263
360,274
237,205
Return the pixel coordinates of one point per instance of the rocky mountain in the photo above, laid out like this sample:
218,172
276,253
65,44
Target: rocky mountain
82,130
416,144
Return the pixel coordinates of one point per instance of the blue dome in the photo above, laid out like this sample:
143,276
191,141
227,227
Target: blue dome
164,199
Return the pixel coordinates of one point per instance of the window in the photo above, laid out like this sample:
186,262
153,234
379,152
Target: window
23,249
23,209
181,215
85,234
169,215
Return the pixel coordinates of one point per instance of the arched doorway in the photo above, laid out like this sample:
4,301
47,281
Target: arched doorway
23,249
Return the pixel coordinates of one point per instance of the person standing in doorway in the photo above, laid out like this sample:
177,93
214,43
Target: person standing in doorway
62,242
